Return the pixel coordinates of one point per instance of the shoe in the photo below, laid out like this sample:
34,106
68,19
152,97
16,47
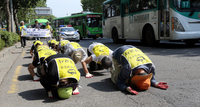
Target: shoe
50,94
76,91
36,78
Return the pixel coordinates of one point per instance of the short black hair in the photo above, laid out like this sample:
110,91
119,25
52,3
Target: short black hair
36,21
106,62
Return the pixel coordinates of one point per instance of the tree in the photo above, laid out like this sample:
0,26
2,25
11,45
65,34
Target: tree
22,8
92,5
8,15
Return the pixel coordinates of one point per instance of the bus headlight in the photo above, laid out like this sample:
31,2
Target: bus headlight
176,25
88,32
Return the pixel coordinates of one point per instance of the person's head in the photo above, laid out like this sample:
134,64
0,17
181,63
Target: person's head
47,23
77,56
106,62
22,23
142,81
36,22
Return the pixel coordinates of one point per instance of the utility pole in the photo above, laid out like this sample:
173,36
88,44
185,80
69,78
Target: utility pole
12,21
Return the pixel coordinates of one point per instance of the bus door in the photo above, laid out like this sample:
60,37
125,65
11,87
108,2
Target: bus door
84,31
125,20
164,18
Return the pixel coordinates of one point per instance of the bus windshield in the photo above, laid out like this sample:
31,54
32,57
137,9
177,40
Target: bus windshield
187,5
94,21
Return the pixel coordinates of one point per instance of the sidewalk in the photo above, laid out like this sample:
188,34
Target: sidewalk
7,58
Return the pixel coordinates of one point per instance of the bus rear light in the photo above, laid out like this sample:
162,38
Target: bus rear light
176,25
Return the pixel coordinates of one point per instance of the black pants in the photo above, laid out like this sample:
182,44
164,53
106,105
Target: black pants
93,65
23,41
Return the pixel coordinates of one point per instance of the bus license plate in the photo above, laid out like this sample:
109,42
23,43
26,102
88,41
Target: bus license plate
97,35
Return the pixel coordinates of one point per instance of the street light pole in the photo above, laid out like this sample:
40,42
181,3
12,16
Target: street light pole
12,21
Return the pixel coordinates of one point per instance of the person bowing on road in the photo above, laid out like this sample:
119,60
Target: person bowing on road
101,55
40,52
75,51
60,76
61,46
133,69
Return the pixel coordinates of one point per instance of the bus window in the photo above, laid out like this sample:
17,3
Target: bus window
126,9
148,4
134,6
94,22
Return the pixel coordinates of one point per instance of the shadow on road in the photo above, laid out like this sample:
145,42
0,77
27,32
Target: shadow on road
95,73
25,78
37,94
28,57
104,85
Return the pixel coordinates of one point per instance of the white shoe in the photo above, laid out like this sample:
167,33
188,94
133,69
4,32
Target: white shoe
50,94
36,78
76,91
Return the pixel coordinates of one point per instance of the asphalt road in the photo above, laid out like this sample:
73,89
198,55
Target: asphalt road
176,64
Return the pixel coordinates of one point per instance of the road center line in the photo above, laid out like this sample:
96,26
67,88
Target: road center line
13,87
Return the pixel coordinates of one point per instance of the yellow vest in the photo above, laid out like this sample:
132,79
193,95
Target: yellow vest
101,50
42,47
64,42
136,57
67,69
75,45
46,53
48,27
21,28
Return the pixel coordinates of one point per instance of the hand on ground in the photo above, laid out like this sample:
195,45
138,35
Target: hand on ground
130,90
88,75
162,85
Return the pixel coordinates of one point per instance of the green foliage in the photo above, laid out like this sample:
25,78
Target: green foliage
92,5
9,37
2,44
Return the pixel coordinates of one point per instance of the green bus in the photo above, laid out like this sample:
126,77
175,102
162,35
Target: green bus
88,24
152,20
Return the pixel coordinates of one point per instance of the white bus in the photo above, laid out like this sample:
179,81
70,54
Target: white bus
152,20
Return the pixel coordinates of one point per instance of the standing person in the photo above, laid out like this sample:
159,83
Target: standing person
23,39
101,54
133,68
50,29
60,76
36,25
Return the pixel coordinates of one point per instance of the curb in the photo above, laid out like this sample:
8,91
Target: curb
8,50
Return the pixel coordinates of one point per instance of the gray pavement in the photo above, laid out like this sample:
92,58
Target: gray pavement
7,57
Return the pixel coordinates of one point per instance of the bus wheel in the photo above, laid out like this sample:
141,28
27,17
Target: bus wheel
94,38
149,37
116,38
191,42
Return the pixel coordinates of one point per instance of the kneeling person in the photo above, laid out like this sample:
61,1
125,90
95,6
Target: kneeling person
100,54
61,46
133,68
60,76
40,53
